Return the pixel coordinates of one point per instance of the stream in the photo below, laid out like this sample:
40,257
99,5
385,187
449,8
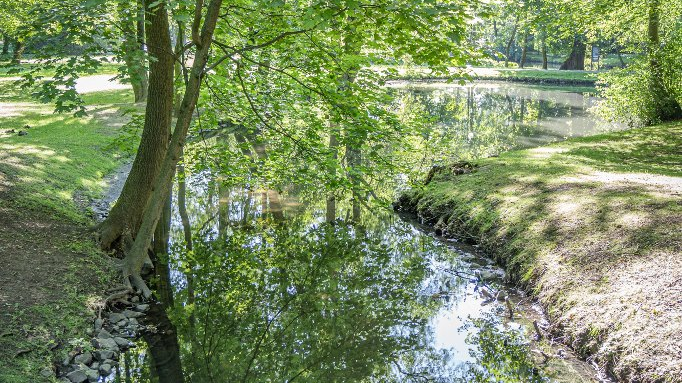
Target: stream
279,288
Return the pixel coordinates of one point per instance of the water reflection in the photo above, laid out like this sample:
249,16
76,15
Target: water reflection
280,295
484,119
267,286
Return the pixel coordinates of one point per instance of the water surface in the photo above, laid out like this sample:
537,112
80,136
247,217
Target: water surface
275,289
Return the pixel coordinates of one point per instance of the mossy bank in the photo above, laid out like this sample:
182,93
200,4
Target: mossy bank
592,226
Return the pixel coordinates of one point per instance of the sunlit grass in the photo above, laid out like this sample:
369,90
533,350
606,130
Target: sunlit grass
582,222
62,158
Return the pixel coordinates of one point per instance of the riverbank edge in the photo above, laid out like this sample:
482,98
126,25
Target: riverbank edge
522,80
53,329
445,204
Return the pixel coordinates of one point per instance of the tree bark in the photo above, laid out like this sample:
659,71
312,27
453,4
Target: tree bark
163,181
667,107
544,53
526,37
331,199
132,26
576,60
510,42
18,51
125,217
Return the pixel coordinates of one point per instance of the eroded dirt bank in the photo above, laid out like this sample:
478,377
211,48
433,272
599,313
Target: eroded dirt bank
592,227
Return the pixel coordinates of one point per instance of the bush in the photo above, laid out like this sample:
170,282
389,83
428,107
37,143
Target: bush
636,96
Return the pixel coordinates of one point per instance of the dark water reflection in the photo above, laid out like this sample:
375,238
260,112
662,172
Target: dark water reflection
274,290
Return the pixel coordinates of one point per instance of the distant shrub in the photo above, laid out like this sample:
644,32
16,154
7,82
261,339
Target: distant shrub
629,95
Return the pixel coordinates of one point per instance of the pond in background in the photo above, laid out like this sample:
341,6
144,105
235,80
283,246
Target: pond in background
483,119
274,289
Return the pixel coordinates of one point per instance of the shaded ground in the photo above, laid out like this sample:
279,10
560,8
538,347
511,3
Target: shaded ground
52,276
594,227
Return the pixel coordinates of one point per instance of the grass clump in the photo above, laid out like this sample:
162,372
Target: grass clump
592,227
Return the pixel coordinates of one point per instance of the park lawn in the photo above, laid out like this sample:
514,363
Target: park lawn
592,226
52,276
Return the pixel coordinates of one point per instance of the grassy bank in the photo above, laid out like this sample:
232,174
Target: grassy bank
531,76
52,276
592,227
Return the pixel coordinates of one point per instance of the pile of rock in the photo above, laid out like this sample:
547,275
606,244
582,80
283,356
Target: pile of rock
112,336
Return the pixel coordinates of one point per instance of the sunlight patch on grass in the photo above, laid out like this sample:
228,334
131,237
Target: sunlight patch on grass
593,225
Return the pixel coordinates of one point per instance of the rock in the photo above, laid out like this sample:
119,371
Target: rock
105,369
135,299
142,308
98,324
108,344
104,355
132,322
132,314
77,376
47,372
22,133
122,342
104,334
67,360
122,323
487,275
116,317
93,375
84,358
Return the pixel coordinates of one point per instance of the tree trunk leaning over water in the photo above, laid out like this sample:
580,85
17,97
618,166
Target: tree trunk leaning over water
162,184
125,217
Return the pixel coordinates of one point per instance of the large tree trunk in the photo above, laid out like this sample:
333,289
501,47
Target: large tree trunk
125,217
18,51
667,107
576,61
162,184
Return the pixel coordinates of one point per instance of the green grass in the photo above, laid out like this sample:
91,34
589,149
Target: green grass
540,74
62,158
564,217
531,75
46,180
